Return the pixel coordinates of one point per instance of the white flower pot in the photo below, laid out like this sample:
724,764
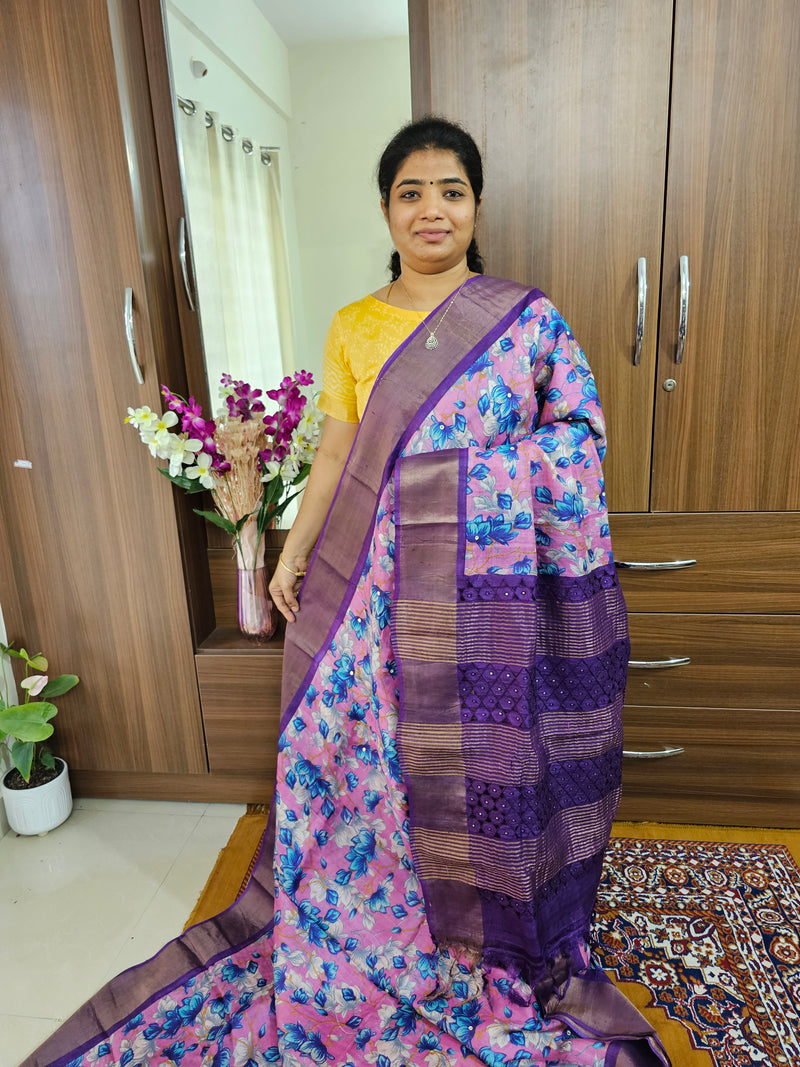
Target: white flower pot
42,808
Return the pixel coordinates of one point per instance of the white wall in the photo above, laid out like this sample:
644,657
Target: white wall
348,99
247,84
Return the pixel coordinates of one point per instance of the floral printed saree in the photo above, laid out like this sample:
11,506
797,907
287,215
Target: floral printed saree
450,750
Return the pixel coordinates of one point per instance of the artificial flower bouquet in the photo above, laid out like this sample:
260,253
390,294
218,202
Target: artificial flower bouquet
253,463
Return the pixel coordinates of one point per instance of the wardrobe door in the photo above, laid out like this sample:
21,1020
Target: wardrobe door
90,567
568,102
725,435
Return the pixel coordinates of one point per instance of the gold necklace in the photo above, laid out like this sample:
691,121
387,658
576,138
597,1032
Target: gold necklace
432,343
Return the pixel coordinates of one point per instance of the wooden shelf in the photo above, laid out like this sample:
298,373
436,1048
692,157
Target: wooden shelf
229,640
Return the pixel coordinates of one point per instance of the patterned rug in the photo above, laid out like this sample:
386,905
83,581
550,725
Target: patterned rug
712,930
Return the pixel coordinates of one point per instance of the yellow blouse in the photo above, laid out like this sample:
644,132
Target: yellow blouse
360,340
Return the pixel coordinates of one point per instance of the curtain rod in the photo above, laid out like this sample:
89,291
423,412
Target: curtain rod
189,107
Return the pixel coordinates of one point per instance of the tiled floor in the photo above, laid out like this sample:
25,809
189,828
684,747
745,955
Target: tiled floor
103,891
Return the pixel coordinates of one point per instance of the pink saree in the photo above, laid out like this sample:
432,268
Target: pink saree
450,748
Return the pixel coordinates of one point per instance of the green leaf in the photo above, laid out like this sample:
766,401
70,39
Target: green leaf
22,758
28,722
38,662
56,687
46,758
189,485
217,520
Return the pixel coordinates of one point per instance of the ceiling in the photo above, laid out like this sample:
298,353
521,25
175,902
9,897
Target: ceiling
318,21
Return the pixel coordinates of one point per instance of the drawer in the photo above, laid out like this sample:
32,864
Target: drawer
737,661
745,562
738,768
240,698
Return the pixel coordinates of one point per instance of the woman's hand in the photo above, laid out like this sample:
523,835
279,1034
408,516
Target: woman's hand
284,585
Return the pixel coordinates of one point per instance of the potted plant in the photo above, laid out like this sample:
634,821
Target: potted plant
36,790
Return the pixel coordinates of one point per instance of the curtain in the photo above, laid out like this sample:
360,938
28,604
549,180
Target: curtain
239,259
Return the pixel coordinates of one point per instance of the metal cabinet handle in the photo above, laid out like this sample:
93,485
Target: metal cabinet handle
665,565
684,309
641,306
658,664
660,753
128,320
182,258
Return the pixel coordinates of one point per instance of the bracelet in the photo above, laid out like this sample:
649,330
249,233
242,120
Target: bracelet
297,574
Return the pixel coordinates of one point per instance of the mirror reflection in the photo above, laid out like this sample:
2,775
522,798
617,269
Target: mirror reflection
282,111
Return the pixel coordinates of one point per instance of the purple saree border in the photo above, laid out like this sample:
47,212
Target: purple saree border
449,338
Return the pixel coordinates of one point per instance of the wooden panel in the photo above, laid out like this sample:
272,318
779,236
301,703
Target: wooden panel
236,788
88,539
739,768
575,162
241,697
737,661
725,438
745,562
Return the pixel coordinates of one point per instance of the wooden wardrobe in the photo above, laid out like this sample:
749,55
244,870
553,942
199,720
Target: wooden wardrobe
103,565
643,168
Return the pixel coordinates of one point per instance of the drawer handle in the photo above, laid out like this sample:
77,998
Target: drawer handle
667,565
659,753
127,319
658,664
640,310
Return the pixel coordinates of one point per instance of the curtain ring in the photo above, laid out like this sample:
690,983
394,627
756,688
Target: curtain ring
227,132
266,158
187,106
209,120
247,146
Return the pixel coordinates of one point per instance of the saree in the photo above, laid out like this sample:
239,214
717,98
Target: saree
450,747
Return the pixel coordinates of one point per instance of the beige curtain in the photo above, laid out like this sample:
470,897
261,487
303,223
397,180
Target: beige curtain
238,252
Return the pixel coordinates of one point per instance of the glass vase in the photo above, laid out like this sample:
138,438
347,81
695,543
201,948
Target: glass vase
256,611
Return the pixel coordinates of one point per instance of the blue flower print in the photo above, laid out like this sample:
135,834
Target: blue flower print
570,508
482,363
404,1019
465,1021
312,778
428,1041
505,406
307,1042
442,434
484,530
361,851
380,603
343,676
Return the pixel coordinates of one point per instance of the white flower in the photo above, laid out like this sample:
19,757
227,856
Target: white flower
142,418
271,470
183,451
160,442
290,468
34,684
202,470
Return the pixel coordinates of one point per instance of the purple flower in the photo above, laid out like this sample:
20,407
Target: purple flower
172,400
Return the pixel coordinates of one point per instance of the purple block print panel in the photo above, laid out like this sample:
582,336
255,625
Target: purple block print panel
383,926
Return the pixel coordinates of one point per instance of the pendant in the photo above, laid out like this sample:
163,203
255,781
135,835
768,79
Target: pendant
431,342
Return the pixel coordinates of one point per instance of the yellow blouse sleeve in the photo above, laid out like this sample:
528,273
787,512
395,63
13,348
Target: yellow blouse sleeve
338,396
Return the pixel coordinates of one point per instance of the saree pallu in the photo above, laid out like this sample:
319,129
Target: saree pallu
450,747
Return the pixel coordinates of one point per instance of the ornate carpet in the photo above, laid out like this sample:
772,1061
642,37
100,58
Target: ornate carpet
712,930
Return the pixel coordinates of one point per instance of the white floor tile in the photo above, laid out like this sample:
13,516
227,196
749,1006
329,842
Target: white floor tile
21,1035
90,881
165,916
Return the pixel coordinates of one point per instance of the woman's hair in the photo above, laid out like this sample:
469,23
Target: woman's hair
437,133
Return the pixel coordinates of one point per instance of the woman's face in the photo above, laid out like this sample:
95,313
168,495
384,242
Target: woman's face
431,211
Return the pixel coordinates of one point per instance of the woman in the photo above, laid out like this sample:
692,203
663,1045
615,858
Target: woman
450,745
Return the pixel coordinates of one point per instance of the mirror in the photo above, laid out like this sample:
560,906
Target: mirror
294,103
